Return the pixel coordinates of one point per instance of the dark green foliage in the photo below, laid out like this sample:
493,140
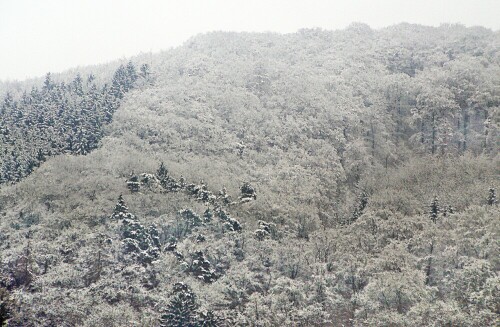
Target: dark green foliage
434,209
492,197
208,215
167,182
123,80
145,71
266,230
29,218
201,268
155,236
58,118
230,223
121,210
448,210
248,192
360,207
7,306
131,74
200,192
133,183
171,246
143,243
120,83
209,319
181,311
303,228
314,127
162,172
190,218
223,197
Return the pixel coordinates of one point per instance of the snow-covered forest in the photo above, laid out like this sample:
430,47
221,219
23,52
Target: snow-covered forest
319,178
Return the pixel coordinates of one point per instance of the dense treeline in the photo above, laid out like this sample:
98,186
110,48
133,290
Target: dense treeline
320,178
58,118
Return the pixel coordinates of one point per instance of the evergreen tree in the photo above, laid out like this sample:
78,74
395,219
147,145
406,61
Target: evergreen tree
434,209
162,172
6,306
190,218
229,223
48,85
77,85
208,319
56,119
492,197
145,71
131,75
265,230
138,240
118,86
248,192
362,203
8,103
143,243
181,311
90,79
133,183
207,215
202,268
120,209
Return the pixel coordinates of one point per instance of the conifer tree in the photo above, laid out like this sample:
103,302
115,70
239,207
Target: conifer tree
131,75
162,172
48,84
120,208
248,192
57,118
434,209
208,319
6,306
78,85
118,87
202,268
362,203
492,197
181,311
145,71
133,183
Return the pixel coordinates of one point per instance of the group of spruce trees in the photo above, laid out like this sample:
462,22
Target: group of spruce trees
59,118
143,245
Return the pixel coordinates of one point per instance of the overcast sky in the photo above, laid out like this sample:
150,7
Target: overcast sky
38,36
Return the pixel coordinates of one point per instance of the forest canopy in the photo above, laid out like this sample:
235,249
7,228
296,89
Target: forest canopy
319,178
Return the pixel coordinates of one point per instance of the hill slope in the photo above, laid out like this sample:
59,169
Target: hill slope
371,162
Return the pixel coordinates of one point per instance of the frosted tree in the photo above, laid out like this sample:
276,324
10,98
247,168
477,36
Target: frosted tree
360,207
209,319
248,192
121,210
181,311
132,75
145,71
434,209
492,197
7,306
141,242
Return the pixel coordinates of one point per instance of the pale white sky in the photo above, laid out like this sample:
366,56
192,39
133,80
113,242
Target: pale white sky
38,36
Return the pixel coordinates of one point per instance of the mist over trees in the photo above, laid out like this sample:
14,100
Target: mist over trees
320,178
